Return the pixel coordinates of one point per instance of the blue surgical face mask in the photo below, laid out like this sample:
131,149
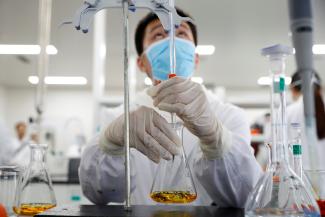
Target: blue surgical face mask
158,56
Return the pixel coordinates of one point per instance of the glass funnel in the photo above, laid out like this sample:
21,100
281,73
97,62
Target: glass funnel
35,192
173,182
280,191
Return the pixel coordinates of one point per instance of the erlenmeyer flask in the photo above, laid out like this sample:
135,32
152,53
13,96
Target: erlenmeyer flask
173,182
280,191
35,192
295,154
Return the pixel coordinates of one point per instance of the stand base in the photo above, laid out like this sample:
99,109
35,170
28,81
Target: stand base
143,211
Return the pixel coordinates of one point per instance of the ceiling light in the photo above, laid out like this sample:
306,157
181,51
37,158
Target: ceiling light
26,49
51,50
33,79
265,80
60,80
205,49
148,81
197,80
319,49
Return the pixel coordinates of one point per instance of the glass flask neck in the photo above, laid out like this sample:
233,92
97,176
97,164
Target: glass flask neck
277,64
278,109
38,153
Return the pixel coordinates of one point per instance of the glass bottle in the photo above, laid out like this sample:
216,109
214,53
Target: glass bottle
280,192
296,150
35,192
296,155
173,182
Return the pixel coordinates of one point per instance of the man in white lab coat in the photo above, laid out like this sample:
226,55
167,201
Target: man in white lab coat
216,135
8,146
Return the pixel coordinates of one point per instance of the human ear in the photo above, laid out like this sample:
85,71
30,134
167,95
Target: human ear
141,63
144,65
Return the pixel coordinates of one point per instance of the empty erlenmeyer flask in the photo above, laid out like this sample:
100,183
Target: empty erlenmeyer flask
173,182
280,191
35,192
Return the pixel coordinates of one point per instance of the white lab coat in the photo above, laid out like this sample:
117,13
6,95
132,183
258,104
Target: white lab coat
8,146
226,181
295,114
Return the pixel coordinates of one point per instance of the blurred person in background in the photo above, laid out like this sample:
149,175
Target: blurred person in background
21,128
8,146
295,114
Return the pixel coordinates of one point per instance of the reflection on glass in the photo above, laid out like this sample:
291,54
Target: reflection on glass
172,214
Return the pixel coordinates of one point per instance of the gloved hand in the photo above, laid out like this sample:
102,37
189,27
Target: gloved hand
188,100
149,134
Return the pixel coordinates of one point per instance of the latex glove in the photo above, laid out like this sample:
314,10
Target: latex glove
149,133
188,100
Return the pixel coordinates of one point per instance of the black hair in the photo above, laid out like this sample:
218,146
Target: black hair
296,84
142,25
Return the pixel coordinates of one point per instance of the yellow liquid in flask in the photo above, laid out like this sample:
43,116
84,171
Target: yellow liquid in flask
173,196
32,208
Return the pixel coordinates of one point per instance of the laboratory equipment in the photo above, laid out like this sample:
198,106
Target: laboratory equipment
8,181
82,21
296,149
143,211
173,182
161,8
172,52
44,18
296,156
126,128
318,186
301,23
35,192
280,192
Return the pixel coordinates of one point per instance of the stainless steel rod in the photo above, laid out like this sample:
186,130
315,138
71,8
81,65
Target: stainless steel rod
44,25
126,108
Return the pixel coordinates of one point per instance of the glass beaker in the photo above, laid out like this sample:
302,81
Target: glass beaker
317,178
8,182
35,192
173,182
280,191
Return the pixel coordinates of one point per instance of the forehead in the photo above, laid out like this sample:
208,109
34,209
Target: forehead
20,125
156,25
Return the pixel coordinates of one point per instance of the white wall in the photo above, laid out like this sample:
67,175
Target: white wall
3,104
61,105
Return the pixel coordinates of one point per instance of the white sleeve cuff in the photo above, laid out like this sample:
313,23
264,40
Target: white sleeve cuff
221,145
108,147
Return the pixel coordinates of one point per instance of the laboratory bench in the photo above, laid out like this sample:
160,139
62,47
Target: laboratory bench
142,211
